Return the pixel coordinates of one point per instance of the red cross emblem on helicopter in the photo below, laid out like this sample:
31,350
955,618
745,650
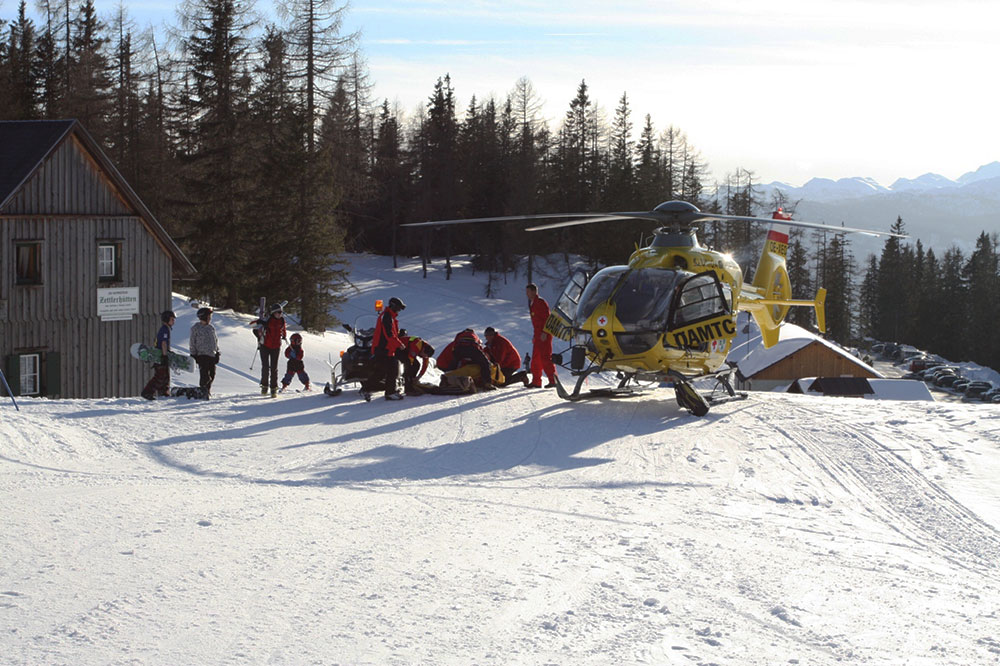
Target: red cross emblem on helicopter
602,321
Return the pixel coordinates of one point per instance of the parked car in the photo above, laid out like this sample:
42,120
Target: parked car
932,374
976,390
926,361
987,395
946,380
961,384
902,351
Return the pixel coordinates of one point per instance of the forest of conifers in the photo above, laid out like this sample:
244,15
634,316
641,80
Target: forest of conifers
260,149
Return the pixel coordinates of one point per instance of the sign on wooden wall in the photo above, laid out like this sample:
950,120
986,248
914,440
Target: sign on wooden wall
117,304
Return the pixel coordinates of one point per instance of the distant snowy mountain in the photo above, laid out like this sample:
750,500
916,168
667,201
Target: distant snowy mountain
985,172
928,181
938,211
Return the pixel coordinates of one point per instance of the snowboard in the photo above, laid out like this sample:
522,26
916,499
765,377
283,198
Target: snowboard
187,392
152,355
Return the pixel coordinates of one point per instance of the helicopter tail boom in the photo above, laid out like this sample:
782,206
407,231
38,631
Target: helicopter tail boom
770,294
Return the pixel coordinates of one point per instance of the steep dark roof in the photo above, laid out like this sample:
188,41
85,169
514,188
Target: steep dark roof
839,386
24,144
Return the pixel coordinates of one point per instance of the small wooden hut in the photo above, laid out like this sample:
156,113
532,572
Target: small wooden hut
87,269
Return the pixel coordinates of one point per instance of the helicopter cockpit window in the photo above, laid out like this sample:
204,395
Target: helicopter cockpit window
570,297
598,290
642,302
700,298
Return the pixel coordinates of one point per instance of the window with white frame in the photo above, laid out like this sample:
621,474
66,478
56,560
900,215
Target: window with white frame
109,259
30,366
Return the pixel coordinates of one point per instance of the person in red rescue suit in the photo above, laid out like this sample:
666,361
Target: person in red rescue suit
541,342
417,357
387,351
295,365
504,354
270,334
464,349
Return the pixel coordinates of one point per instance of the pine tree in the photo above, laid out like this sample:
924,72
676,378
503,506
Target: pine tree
215,144
982,305
649,189
437,156
123,116
890,317
49,65
89,96
390,181
621,193
951,306
797,265
20,81
837,275
868,298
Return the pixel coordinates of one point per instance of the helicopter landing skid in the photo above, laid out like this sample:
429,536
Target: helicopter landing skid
620,391
723,390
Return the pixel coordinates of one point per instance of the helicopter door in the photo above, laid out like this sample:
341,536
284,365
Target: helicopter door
566,306
701,313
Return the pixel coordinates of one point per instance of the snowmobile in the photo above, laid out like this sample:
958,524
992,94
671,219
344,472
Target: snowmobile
355,364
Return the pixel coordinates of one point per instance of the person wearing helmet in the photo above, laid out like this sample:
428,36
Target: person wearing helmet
270,333
159,383
387,351
204,348
295,365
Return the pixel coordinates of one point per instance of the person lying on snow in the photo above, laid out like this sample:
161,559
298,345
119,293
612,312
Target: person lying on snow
464,356
418,354
503,352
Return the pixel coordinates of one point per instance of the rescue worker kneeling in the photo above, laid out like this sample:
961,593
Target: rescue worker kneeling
503,352
417,355
464,357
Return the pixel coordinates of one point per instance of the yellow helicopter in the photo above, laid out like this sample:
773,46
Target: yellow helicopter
669,314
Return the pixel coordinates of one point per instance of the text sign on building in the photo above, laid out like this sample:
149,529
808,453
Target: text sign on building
117,304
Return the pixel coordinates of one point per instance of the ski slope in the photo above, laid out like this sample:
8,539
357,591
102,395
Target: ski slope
507,527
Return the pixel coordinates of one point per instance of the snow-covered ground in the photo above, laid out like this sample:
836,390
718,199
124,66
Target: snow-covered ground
506,527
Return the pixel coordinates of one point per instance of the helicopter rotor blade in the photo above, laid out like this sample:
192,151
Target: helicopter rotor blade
501,218
687,217
799,223
609,217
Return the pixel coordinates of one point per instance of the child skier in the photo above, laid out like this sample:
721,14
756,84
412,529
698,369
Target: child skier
295,364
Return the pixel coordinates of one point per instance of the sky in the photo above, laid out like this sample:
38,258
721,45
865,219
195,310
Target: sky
788,89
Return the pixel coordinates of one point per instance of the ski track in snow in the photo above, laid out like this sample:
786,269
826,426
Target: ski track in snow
506,527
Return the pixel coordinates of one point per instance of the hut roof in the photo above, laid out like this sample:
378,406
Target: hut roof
27,144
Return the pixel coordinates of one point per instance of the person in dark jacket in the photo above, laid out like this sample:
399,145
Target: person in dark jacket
295,365
159,383
387,352
503,352
466,348
270,334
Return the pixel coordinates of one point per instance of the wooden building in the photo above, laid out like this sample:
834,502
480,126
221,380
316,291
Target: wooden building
87,269
798,354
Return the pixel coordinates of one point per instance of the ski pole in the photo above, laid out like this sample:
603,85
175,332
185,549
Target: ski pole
253,359
9,392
